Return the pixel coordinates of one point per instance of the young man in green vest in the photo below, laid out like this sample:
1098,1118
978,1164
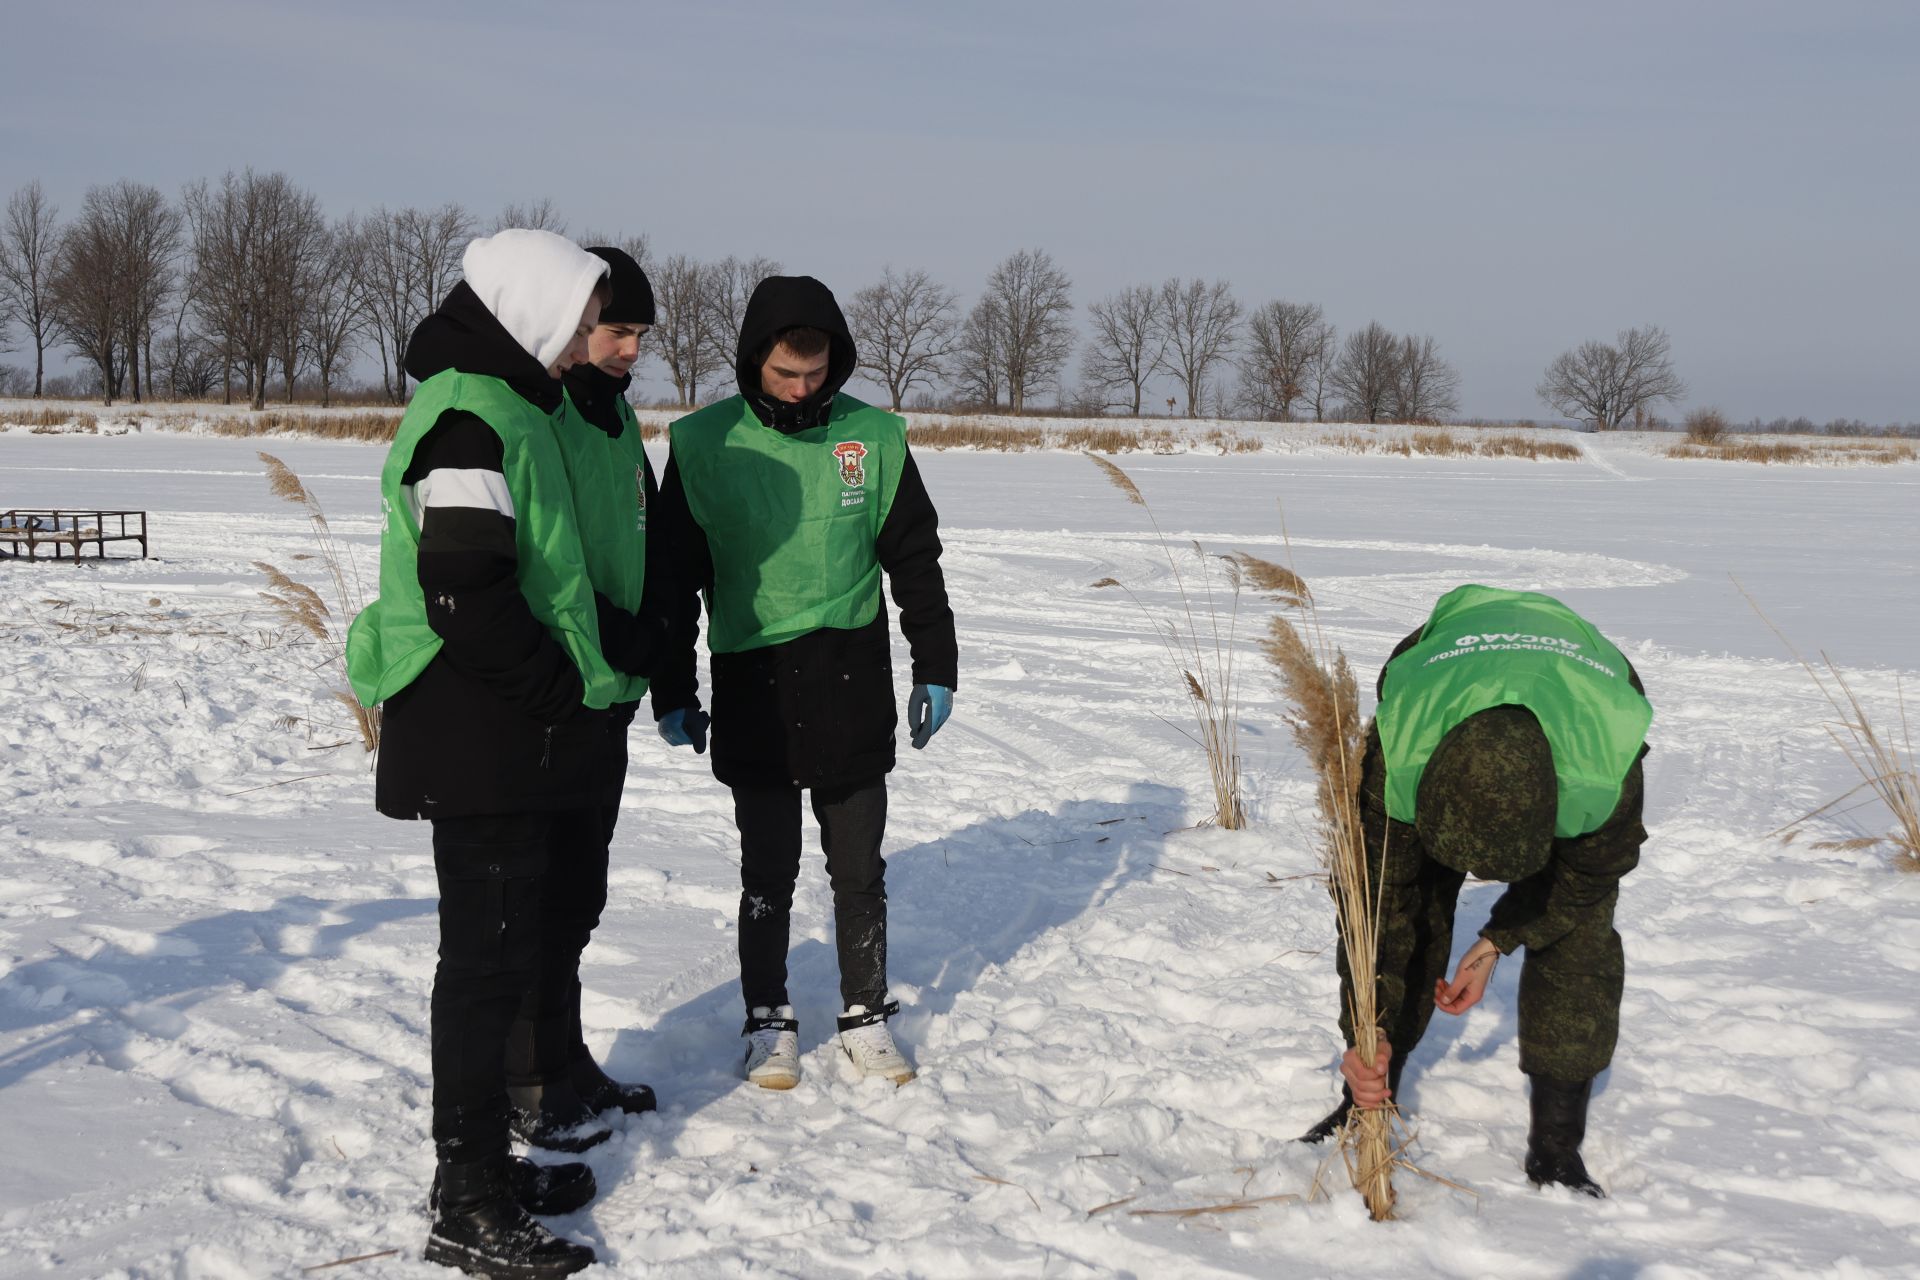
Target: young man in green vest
557,1090
1506,747
787,503
484,650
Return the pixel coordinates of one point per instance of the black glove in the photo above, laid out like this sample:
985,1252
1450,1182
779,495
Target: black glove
630,642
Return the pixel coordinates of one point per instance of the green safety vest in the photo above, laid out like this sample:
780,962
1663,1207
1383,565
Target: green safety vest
609,479
391,642
1483,647
791,519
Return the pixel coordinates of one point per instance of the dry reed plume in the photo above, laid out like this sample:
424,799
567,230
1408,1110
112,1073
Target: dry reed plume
1325,698
1202,652
301,606
1886,764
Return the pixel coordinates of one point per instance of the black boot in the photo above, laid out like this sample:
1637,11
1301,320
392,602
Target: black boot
552,1115
1338,1116
602,1093
1553,1141
479,1229
542,1189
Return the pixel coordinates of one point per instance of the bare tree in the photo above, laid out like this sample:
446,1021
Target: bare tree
1287,343
1201,322
1028,319
255,241
725,287
29,240
1608,383
87,292
111,276
335,303
977,368
903,328
682,323
413,261
1126,346
1367,373
1428,388
537,215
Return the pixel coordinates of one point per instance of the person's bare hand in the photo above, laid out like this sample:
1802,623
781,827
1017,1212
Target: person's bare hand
1469,980
1368,1083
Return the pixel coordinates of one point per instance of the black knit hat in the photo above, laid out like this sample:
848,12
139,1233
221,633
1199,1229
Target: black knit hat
632,291
1489,795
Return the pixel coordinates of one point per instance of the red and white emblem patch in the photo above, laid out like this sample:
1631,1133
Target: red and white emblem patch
852,473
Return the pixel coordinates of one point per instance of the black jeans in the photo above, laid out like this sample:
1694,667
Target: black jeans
493,889
852,820
545,1035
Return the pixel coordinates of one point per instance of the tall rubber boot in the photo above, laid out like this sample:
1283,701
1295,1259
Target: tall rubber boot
1559,1125
1338,1116
479,1229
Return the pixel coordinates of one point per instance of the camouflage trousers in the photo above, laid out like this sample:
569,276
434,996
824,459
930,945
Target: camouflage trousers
1569,992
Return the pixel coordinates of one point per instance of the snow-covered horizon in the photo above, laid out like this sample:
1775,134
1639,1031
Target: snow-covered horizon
215,957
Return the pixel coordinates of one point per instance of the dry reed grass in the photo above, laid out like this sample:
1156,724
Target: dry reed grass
1325,698
1436,443
1885,762
1749,449
372,426
966,433
46,422
300,606
1202,652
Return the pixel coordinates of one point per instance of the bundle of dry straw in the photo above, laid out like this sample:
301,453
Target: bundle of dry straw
1327,724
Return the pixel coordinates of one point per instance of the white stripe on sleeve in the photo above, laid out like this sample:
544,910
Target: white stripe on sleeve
464,487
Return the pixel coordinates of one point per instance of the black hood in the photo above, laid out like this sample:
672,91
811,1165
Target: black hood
596,394
462,334
780,303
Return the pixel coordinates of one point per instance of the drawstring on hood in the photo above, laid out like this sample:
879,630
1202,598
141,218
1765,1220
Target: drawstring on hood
536,284
780,303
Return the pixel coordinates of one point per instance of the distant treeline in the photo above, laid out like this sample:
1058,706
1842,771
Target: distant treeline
243,288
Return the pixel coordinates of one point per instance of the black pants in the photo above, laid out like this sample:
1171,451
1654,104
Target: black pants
545,1035
852,821
493,896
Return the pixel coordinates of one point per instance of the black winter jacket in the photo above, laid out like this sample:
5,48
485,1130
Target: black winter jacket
494,724
817,710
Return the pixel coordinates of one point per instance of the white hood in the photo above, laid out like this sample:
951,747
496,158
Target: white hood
536,284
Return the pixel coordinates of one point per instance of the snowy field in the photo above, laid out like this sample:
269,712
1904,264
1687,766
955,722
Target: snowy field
216,957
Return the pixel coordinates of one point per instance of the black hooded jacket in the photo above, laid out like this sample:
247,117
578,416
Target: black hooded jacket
494,724
820,709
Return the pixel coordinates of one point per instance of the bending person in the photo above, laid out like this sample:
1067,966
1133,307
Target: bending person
1506,747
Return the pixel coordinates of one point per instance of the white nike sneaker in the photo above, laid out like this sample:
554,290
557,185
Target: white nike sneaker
869,1044
773,1047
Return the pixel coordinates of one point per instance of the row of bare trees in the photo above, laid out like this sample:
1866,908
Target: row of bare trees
244,286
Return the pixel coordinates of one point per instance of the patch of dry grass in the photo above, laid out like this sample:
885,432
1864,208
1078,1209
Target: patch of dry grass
372,426
969,433
1825,452
1432,442
48,422
1885,761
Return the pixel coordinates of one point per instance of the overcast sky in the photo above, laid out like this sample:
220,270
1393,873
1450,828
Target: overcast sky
1510,178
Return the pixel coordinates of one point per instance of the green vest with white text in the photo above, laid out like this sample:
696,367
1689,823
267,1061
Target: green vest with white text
391,641
792,521
1483,647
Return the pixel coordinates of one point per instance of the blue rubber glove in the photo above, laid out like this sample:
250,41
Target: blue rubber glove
685,727
927,709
